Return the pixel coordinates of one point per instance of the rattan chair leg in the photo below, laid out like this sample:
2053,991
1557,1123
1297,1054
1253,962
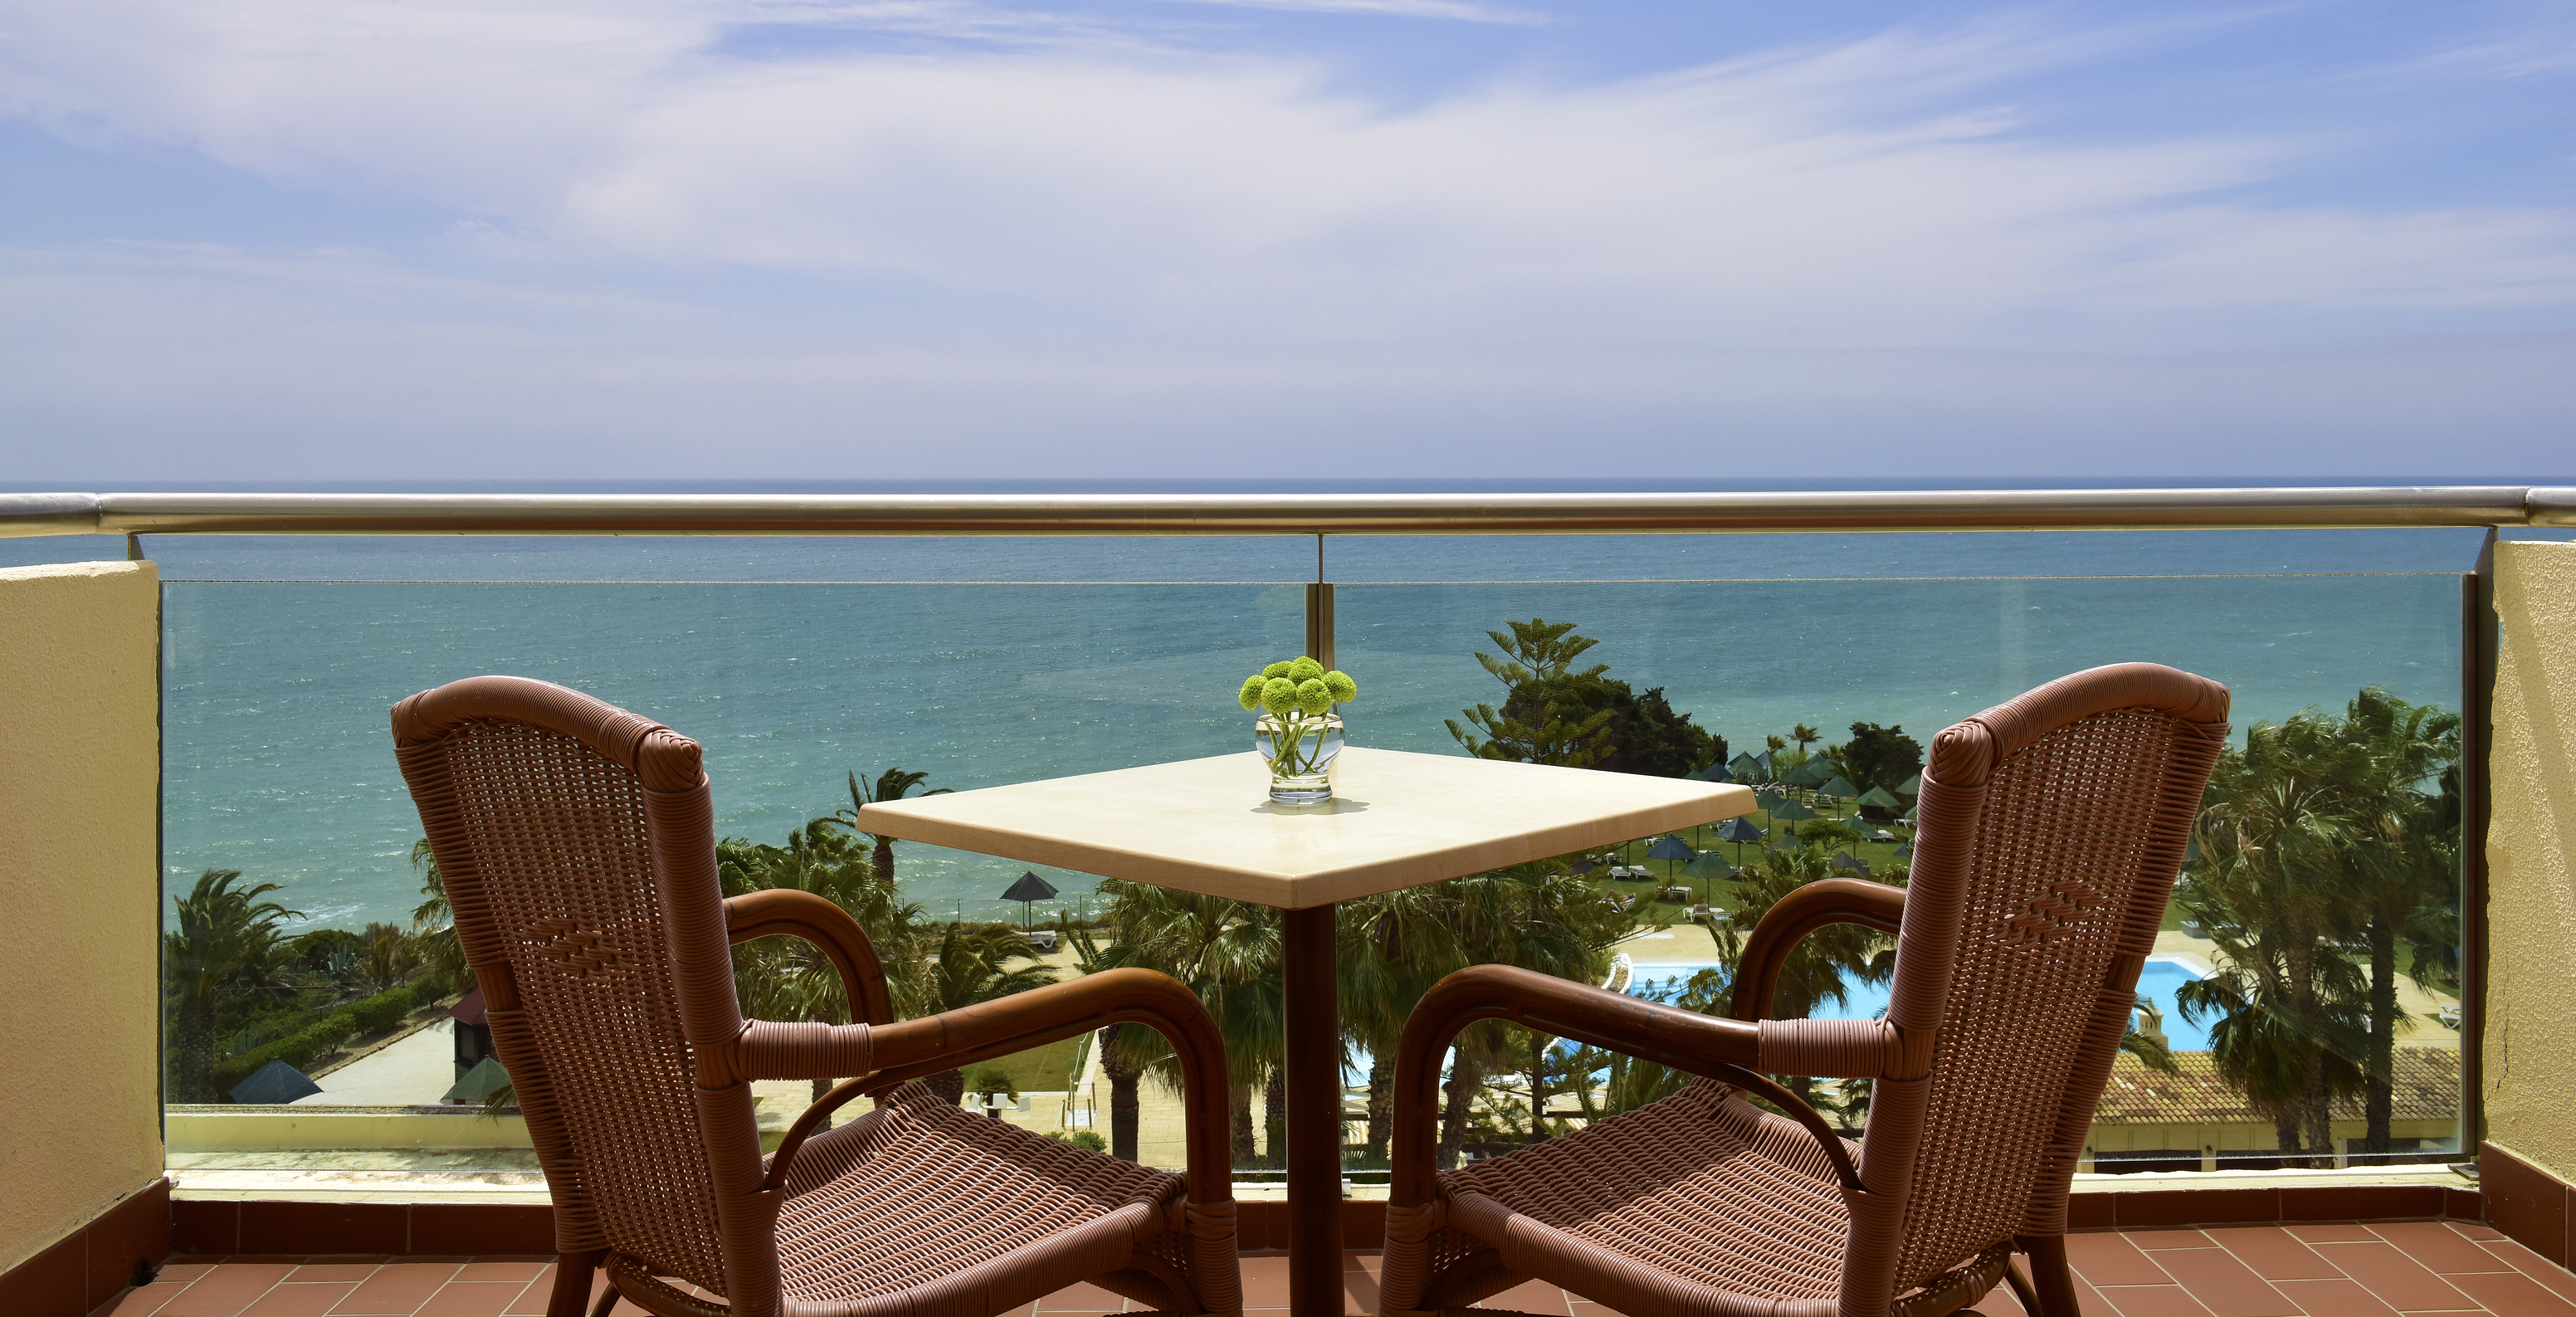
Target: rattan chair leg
573,1278
2054,1283
2021,1288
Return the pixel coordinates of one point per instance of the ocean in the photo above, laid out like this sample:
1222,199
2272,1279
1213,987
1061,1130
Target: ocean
986,661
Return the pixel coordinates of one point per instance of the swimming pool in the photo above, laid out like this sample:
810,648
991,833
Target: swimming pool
2158,982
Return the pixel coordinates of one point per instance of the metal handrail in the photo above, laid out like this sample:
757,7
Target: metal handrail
1282,514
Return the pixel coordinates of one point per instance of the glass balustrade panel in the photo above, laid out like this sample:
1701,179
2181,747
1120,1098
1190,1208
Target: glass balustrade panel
989,669
1822,693
344,1010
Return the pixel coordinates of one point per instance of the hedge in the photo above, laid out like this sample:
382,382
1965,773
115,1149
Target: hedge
371,1015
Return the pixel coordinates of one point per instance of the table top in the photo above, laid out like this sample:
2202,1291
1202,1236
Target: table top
1397,819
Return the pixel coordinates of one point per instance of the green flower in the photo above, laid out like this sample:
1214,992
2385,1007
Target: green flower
1312,697
1250,697
1279,695
1340,684
1278,669
1303,669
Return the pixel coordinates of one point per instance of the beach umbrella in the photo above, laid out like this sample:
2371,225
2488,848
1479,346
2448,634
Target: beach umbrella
485,1079
1813,773
1913,786
1029,888
274,1084
1849,863
1793,811
1879,797
1739,831
1905,850
1708,868
1669,848
1586,867
1767,799
1838,789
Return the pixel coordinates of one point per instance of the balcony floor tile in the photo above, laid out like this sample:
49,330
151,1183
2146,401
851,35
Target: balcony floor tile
2378,1270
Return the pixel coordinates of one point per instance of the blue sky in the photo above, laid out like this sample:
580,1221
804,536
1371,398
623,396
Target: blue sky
247,240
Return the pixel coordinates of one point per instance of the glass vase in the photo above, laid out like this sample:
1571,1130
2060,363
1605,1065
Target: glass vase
1300,749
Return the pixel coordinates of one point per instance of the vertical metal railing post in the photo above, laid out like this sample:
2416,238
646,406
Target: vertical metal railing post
160,826
2478,642
1319,623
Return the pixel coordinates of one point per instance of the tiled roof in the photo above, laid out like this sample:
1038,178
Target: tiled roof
2427,1088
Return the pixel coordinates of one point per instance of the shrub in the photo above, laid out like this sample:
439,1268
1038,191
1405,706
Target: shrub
372,1015
384,1010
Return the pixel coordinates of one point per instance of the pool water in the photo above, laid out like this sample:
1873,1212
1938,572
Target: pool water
2158,982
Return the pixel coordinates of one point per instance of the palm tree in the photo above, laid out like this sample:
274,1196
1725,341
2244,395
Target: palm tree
972,966
1538,917
892,784
1805,736
433,924
386,958
1392,947
2402,879
227,938
1117,1059
2275,839
1228,952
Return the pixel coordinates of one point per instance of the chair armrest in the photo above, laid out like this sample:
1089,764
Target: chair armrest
1816,905
787,911
1727,1050
914,1048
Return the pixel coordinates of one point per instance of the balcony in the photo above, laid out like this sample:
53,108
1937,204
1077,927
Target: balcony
164,700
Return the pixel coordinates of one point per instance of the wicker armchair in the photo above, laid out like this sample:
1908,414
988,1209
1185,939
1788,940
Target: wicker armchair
2051,830
576,842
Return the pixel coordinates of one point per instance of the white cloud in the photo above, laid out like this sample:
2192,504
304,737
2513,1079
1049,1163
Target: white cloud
1845,195
1122,233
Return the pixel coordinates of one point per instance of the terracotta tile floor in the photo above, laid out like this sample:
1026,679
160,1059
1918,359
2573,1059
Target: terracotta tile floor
2236,1271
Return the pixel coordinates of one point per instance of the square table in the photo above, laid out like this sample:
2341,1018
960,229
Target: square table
1396,819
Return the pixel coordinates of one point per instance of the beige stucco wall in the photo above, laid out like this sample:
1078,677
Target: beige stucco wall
2531,903
79,900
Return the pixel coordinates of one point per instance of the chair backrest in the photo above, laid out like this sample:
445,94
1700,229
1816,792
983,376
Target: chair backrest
2051,828
576,844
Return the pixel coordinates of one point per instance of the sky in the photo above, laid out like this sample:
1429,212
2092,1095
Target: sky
1293,240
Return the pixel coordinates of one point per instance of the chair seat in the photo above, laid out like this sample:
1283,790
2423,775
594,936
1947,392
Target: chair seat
920,1207
1698,1203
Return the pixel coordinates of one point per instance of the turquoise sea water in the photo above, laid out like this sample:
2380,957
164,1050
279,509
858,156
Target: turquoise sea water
999,660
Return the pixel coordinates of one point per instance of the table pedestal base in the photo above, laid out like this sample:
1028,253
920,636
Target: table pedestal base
1314,1065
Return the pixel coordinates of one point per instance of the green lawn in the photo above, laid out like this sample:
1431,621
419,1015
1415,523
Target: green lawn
1881,855
1038,1070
